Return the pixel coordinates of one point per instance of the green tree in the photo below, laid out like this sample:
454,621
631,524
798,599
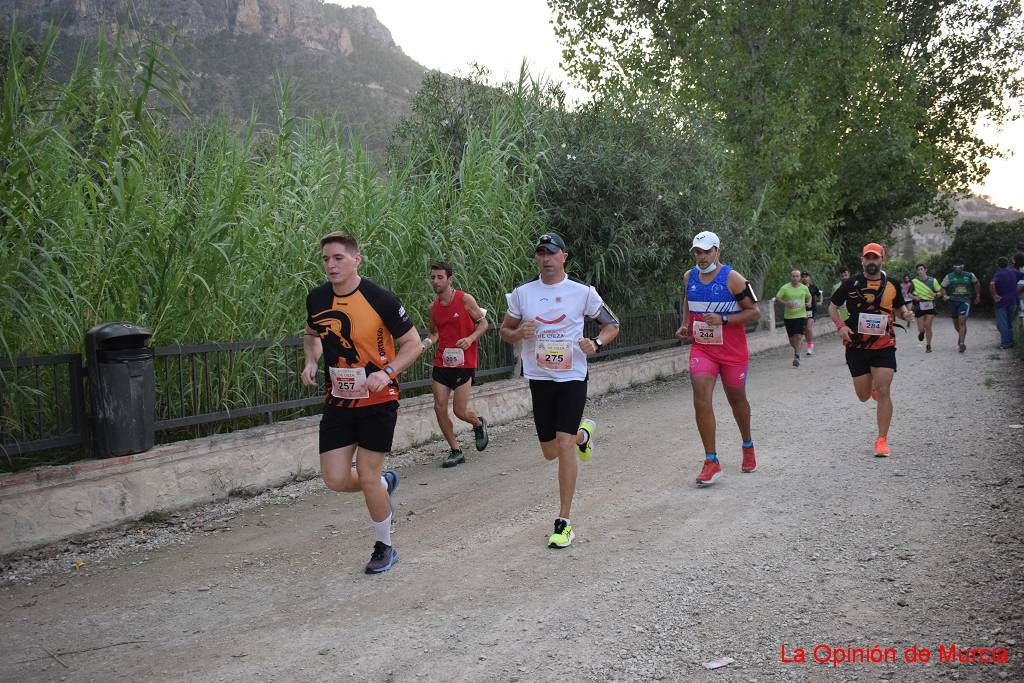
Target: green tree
628,193
839,119
626,190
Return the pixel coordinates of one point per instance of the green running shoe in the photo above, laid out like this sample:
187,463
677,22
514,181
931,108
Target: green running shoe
563,535
454,457
482,439
584,452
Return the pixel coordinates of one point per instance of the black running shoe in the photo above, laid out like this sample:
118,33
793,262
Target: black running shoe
454,457
482,439
383,558
920,336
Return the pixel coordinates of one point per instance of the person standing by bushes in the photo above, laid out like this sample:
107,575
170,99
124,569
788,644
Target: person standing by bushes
1003,288
1018,263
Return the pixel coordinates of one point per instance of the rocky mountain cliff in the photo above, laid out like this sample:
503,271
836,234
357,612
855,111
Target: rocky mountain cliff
928,235
341,60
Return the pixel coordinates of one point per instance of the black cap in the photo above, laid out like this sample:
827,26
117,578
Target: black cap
551,241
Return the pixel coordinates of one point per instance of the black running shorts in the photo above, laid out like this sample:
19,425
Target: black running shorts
453,378
795,326
557,406
862,360
919,313
370,427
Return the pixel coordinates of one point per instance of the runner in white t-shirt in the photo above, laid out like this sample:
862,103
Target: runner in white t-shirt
546,315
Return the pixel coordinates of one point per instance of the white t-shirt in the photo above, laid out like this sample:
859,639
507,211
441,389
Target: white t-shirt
558,312
1020,298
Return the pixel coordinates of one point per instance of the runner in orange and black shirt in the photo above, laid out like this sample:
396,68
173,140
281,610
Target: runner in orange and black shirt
872,299
354,324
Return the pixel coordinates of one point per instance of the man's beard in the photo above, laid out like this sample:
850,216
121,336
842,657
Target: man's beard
871,269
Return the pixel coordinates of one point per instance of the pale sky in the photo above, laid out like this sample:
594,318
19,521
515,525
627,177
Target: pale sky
449,35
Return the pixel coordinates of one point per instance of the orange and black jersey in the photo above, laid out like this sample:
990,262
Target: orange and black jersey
357,330
861,295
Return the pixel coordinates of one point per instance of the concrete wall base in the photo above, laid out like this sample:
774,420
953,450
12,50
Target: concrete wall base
52,503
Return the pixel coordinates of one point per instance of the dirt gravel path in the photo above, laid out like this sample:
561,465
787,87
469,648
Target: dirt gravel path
823,545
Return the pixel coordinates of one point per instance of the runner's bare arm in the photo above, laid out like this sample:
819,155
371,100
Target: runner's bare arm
410,346
513,329
833,312
433,334
479,320
750,313
606,334
683,333
312,349
977,291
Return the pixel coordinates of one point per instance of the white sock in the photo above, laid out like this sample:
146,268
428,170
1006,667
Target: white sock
586,437
382,531
384,482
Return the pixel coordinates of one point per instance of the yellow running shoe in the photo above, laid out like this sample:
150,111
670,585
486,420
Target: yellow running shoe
584,452
563,535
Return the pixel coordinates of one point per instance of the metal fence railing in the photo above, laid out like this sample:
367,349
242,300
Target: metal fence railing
44,406
42,403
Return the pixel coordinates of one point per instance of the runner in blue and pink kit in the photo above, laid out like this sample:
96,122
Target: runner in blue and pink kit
718,304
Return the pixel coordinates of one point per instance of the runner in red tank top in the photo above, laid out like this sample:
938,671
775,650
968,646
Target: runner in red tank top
456,323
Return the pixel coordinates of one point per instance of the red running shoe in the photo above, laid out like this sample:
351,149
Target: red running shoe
711,472
881,447
749,461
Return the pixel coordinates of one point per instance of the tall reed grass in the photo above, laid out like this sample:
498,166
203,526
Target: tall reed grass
210,233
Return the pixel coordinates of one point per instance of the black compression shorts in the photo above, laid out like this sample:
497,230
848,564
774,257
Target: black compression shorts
557,406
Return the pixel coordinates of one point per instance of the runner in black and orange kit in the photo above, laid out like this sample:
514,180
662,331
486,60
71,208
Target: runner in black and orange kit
872,299
354,324
456,323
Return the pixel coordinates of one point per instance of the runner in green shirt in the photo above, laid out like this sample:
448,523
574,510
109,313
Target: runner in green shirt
957,288
795,298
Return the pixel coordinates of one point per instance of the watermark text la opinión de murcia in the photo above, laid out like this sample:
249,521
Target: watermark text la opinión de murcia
838,655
